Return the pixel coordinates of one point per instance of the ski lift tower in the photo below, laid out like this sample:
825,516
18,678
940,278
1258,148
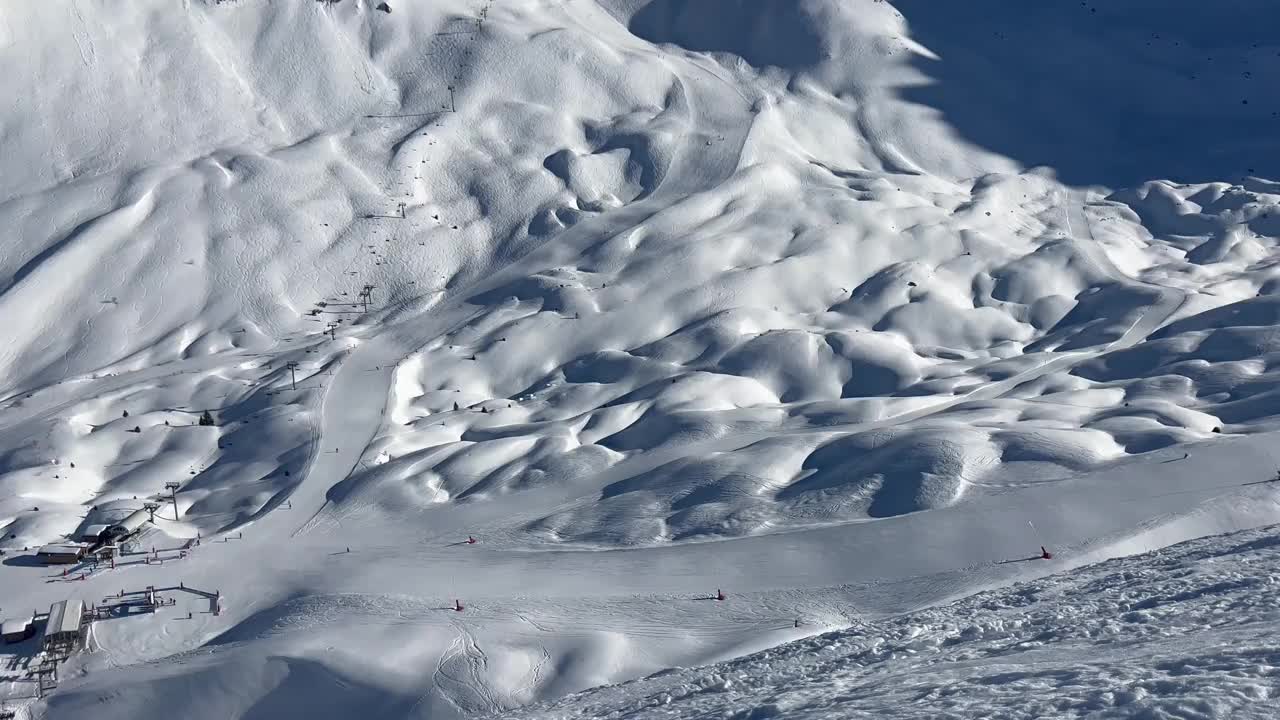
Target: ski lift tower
172,487
366,294
151,509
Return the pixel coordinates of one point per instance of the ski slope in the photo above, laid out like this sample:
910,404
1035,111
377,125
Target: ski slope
1187,631
813,303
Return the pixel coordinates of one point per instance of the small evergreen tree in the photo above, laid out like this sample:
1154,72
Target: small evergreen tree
206,418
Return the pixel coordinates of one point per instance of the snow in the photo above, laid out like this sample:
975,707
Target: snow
843,308
15,626
1187,631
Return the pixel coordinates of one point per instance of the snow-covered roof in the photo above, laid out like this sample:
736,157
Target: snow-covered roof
93,532
13,626
64,617
132,522
62,549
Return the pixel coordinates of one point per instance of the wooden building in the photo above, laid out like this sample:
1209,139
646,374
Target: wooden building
61,553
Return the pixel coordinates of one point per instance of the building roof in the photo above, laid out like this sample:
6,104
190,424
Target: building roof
56,613
93,532
64,617
62,549
14,626
132,522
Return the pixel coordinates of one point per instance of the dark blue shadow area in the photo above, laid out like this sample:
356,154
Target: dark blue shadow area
1111,92
762,32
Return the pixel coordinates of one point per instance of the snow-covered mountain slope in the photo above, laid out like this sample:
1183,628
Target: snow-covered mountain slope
819,301
1187,631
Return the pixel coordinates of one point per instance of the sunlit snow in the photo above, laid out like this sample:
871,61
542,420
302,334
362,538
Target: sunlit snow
577,313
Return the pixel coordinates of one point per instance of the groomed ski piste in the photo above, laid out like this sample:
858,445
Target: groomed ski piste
547,346
1186,631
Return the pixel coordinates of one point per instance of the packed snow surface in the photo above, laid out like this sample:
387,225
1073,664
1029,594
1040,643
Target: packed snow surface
1185,632
576,313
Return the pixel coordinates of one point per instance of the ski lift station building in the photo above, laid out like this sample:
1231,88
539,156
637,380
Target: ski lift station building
63,628
128,526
